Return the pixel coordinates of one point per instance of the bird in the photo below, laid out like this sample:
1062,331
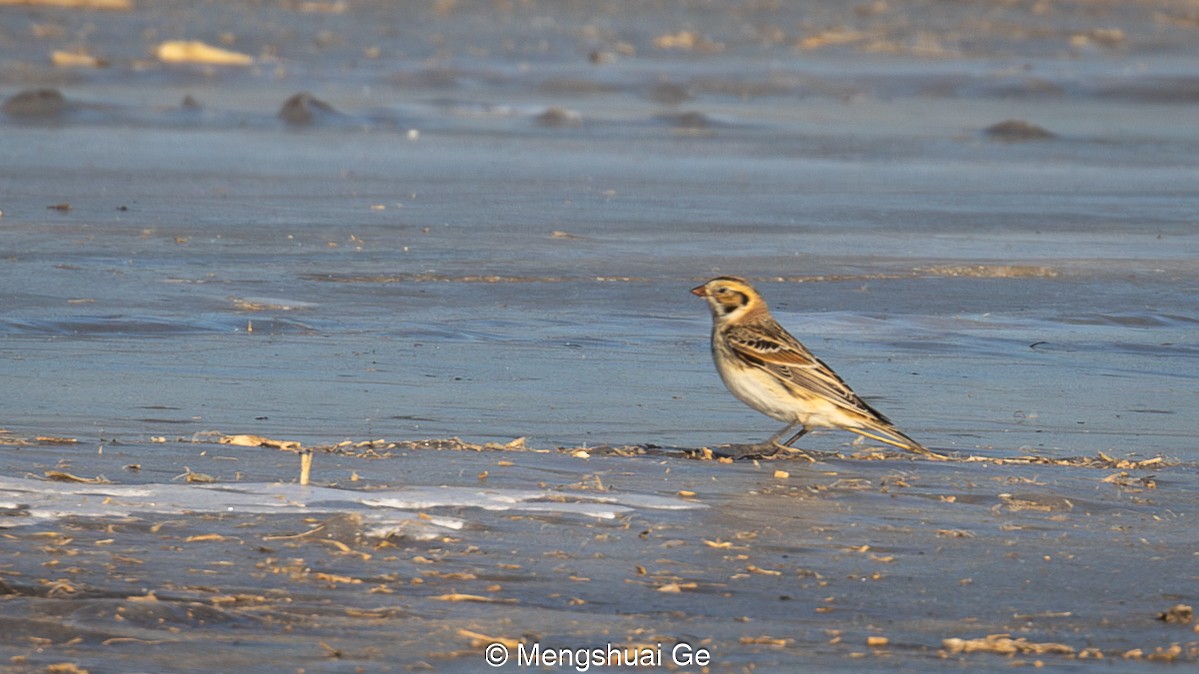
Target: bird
772,372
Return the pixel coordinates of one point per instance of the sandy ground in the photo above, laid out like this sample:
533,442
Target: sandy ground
865,563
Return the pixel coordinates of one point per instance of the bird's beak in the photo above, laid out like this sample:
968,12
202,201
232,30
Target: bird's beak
699,291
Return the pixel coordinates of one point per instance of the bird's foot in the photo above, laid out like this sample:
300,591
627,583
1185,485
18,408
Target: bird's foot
760,450
789,451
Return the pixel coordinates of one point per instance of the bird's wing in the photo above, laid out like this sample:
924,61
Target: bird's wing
768,346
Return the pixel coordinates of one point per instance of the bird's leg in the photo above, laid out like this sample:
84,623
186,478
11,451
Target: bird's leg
795,437
775,447
774,439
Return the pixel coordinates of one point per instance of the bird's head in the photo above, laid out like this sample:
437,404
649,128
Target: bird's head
730,297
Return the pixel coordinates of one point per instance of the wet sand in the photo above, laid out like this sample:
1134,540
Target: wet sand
859,562
480,221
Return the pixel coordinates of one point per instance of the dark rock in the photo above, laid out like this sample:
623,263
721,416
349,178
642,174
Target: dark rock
1017,129
303,109
36,103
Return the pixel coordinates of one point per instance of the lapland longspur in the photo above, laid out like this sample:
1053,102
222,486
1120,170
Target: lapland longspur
772,372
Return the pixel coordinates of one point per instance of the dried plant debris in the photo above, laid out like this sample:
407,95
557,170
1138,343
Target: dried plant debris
62,476
8,439
189,475
1034,502
343,528
479,640
1100,460
1179,613
1188,653
194,51
65,668
258,441
722,453
1128,482
1003,644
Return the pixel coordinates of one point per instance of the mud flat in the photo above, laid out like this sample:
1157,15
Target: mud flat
172,554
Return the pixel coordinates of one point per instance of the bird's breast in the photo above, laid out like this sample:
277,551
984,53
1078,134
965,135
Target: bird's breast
753,386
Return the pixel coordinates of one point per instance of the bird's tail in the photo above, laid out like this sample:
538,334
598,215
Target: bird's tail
892,436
